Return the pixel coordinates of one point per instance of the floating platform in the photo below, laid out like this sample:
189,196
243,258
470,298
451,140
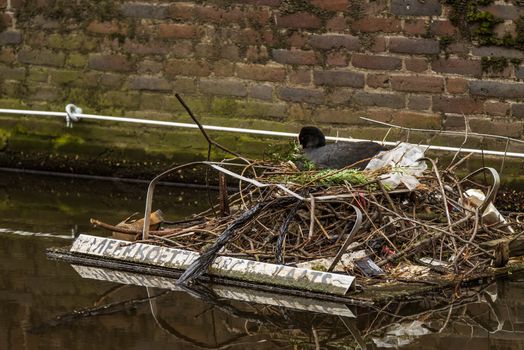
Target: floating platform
154,266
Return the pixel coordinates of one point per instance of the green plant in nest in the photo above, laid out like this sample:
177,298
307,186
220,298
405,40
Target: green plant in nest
291,151
325,177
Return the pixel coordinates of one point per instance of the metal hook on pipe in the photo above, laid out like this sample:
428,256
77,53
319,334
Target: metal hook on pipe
72,114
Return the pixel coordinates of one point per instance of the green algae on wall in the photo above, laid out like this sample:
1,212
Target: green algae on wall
81,10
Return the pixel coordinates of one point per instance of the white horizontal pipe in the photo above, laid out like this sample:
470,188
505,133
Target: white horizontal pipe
245,131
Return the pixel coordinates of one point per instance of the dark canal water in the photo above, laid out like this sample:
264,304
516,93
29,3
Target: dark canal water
46,304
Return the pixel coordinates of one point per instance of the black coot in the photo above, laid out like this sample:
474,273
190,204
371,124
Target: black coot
335,155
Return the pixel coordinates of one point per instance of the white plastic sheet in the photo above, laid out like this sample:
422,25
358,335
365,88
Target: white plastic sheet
474,198
404,165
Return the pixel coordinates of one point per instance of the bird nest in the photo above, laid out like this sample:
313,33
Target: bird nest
345,221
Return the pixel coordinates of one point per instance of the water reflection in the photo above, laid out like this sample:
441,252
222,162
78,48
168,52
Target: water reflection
218,317
47,304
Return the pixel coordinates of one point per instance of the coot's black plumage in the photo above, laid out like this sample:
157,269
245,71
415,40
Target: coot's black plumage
335,155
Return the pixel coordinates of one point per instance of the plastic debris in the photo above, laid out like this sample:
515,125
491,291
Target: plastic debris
405,167
474,198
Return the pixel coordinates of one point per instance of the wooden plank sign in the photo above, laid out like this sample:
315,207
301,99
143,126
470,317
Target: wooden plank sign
223,266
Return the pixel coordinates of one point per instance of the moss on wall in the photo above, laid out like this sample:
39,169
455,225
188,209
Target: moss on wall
479,26
62,10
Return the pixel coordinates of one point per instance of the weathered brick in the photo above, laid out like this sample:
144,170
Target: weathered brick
337,59
10,37
336,24
155,48
497,52
126,99
256,16
152,101
504,72
339,78
459,48
145,82
376,62
187,68
261,72
294,56
150,67
177,31
298,40
111,80
300,112
443,28
517,110
331,5
379,100
457,66
7,55
341,116
376,24
257,54
461,105
486,88
417,65
143,10
415,26
417,120
496,108
263,109
8,73
116,63
419,102
41,57
77,60
11,88
300,76
301,95
378,44
112,27
510,12
183,10
502,128
90,79
378,80
416,7
249,36
7,19
261,2
64,76
224,68
185,85
245,16
261,92
299,20
223,87
74,42
217,15
230,52
414,46
454,122
339,96
419,83
334,41
37,74
456,85
45,93
36,40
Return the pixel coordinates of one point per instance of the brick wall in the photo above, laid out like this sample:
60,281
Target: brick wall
284,62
